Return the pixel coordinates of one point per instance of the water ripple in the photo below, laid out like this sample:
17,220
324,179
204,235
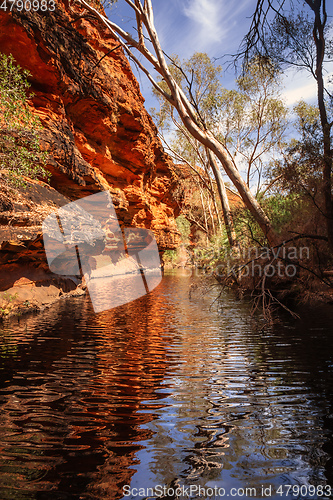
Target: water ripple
161,390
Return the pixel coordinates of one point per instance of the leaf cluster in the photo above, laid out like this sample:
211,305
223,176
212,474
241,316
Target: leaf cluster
20,152
300,168
199,78
252,117
184,227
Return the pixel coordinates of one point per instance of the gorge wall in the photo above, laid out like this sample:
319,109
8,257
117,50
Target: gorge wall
96,130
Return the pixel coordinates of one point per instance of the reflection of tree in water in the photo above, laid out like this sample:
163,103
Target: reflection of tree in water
245,403
167,387
138,360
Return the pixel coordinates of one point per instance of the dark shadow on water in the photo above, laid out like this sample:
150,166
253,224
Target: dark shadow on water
164,390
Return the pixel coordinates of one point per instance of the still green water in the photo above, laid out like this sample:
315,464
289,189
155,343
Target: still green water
170,392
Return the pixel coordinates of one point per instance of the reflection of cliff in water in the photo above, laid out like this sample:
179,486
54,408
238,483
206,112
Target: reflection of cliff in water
164,390
72,384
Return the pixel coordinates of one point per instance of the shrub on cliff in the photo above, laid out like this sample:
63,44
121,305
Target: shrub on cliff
20,152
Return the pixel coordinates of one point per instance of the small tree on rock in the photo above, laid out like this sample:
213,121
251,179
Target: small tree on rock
20,152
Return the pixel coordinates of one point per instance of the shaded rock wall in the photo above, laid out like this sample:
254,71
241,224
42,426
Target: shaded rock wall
97,130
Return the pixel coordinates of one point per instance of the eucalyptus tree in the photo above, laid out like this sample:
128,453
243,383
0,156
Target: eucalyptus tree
148,45
199,79
299,169
252,119
299,38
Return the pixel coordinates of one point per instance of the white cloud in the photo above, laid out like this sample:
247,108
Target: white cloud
300,85
206,14
306,93
213,21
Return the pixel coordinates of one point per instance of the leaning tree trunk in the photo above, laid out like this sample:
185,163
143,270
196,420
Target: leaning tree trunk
207,139
176,97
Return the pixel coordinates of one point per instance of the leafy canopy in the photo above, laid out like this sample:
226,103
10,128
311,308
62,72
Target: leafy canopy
299,170
250,120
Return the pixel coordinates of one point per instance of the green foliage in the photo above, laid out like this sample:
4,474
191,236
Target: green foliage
184,227
281,210
174,257
202,82
251,120
209,256
20,153
299,170
308,119
9,297
199,79
170,257
6,302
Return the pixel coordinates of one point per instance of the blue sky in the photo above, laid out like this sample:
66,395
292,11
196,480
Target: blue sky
185,26
188,26
213,26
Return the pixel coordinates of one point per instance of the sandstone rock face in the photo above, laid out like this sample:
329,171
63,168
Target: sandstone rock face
97,132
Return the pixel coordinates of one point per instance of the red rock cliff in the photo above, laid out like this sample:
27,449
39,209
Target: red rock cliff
97,130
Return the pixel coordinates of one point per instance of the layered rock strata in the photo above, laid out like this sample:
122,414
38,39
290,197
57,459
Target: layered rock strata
95,128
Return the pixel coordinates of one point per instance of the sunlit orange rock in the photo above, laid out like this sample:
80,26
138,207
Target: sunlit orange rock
97,131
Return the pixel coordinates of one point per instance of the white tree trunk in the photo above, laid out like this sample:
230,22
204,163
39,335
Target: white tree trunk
229,225
176,97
